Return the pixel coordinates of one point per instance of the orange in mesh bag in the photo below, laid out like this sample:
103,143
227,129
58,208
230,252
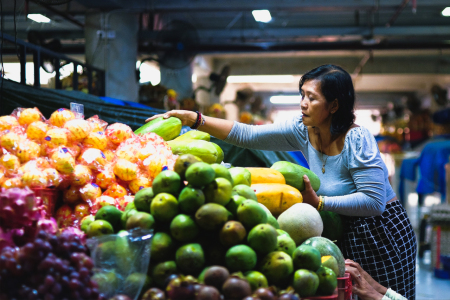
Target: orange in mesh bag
118,133
97,124
26,116
90,192
63,160
96,139
10,140
10,163
122,202
115,190
56,137
8,122
128,150
101,201
53,176
65,217
14,182
105,178
78,129
60,117
125,170
81,175
139,183
35,179
27,150
72,195
37,131
93,158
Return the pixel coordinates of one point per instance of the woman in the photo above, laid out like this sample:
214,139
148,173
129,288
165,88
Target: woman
345,156
365,287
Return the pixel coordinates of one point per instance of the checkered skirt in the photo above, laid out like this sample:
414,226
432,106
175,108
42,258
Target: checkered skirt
385,247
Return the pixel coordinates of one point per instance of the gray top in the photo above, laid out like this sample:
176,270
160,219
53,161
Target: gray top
355,182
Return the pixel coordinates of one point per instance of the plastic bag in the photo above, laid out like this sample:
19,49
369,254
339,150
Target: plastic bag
121,261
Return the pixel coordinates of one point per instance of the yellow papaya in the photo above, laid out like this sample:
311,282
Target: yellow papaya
202,149
266,175
168,128
277,197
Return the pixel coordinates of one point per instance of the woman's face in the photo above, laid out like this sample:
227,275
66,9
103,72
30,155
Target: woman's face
315,108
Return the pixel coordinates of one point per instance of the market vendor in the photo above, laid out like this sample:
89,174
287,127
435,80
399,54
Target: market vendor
354,179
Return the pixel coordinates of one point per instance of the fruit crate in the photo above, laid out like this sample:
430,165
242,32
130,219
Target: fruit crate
331,297
345,287
49,197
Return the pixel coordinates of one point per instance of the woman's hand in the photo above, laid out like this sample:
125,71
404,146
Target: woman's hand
308,194
361,287
378,287
187,117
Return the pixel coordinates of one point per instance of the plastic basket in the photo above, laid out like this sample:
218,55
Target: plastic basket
345,287
49,197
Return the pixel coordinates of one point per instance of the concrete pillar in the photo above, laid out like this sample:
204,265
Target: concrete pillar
111,45
179,80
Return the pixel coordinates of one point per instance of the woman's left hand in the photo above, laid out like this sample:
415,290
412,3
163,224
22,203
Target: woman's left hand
361,287
309,195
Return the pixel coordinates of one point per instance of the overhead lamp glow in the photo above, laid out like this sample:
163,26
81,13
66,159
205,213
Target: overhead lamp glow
446,12
39,18
261,79
285,99
262,15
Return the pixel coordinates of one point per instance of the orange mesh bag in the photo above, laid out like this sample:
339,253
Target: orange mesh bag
60,117
118,133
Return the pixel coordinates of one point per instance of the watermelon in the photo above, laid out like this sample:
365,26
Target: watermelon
332,225
327,247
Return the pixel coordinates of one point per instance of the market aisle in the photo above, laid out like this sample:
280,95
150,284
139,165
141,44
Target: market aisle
428,286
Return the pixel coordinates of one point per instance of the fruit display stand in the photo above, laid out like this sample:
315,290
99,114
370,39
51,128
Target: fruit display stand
440,239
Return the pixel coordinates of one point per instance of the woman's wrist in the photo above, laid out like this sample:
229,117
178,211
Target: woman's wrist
192,117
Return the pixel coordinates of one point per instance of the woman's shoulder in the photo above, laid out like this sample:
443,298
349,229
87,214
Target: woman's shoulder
359,136
361,146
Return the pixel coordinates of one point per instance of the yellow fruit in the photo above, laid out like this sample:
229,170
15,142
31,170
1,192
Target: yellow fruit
266,175
75,150
90,192
64,216
105,178
72,195
155,165
96,140
55,137
38,163
10,141
53,176
139,183
109,155
78,128
37,130
93,158
146,151
125,170
63,161
81,175
28,116
277,197
128,152
35,179
118,132
8,122
103,201
80,211
115,190
97,124
27,150
12,183
10,162
124,201
60,117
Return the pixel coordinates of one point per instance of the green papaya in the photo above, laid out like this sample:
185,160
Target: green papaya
293,174
202,149
194,135
168,128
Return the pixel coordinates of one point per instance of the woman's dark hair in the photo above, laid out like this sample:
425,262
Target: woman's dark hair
335,83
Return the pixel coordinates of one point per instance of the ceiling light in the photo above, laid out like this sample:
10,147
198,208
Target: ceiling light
261,79
285,99
446,12
38,18
262,15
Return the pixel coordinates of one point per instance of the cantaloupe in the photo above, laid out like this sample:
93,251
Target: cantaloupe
301,221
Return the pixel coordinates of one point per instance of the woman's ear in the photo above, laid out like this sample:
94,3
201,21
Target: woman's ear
334,106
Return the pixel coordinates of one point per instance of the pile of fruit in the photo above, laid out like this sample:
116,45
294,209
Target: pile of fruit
92,163
208,224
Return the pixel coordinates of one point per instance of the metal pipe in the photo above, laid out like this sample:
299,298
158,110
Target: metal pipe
397,13
62,14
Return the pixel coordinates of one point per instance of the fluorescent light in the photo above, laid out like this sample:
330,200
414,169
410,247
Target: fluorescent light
291,99
262,15
261,79
446,12
38,18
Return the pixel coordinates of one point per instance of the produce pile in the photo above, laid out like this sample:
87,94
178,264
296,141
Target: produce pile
212,234
92,163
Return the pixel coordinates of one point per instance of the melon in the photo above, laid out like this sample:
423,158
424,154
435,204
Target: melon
301,221
327,247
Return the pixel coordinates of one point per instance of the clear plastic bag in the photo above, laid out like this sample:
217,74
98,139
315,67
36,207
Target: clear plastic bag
121,261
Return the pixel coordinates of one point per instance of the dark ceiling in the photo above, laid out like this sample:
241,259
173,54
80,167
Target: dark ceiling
228,26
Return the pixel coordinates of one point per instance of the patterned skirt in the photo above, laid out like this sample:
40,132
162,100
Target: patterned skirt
385,247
